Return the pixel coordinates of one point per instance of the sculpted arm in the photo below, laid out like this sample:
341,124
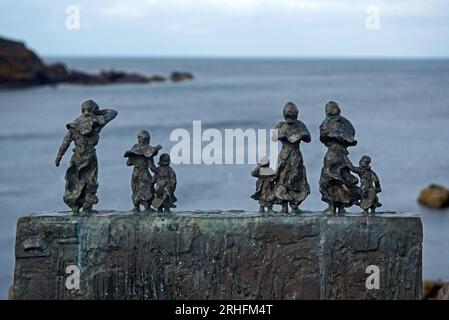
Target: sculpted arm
255,172
306,137
377,183
173,181
105,116
63,148
275,137
151,165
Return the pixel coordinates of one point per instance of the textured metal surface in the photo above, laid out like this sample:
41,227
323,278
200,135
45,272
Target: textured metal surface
218,255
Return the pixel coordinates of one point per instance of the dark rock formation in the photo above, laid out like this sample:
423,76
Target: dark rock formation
231,255
157,78
19,66
434,196
177,76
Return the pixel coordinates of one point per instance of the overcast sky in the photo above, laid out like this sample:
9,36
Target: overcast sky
246,28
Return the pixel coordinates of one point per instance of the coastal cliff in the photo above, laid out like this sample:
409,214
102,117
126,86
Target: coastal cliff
227,255
20,66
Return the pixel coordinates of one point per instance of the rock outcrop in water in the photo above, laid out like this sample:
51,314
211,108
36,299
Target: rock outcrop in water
434,196
227,255
20,66
177,76
435,290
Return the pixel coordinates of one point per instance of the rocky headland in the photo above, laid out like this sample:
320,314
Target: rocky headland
434,196
20,66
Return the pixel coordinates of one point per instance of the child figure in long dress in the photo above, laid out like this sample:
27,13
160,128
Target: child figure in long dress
165,185
369,185
265,185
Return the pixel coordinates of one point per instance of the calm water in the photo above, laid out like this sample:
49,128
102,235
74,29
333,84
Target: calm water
400,110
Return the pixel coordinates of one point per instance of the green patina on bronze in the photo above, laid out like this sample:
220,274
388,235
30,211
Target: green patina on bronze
218,255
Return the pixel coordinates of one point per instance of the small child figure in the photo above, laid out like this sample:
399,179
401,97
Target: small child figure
165,185
265,185
369,186
141,157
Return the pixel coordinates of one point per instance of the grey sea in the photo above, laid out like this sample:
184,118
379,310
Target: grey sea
400,109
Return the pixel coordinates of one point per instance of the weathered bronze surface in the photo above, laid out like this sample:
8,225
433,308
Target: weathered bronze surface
81,176
369,185
218,255
265,185
338,186
141,156
291,179
165,185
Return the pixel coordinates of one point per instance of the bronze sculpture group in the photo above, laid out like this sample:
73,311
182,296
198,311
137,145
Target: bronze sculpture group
153,187
338,187
81,176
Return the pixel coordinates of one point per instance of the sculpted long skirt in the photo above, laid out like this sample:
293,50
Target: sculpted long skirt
141,185
81,180
291,183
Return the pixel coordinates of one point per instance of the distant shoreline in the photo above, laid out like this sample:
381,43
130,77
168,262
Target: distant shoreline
21,67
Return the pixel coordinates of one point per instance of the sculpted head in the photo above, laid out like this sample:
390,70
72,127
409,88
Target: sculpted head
164,159
264,161
365,162
332,109
143,136
90,107
290,112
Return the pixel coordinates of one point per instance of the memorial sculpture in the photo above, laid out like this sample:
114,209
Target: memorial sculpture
292,187
265,185
369,186
165,185
338,186
141,156
286,186
81,175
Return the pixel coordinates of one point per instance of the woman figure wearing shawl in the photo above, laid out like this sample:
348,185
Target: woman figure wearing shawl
338,186
291,180
81,175
141,157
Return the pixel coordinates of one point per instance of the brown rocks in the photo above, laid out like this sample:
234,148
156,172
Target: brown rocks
434,196
19,66
56,73
227,255
178,76
435,290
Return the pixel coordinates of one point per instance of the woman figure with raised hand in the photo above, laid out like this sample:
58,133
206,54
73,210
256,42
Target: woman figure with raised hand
81,176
